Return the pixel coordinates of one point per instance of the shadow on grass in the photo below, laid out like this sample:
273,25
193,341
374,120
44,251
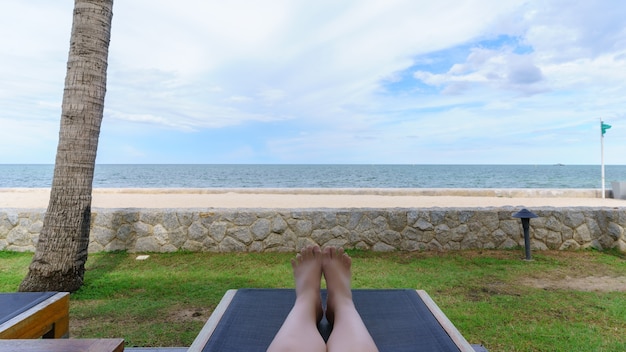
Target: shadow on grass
98,267
149,307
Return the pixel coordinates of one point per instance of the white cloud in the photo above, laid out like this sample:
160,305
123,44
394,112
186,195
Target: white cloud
346,81
501,69
318,54
563,30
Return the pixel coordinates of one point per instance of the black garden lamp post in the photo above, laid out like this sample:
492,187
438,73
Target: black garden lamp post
526,215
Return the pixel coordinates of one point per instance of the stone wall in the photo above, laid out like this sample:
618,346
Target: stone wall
259,230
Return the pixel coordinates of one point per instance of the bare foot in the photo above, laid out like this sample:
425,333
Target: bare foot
336,268
307,272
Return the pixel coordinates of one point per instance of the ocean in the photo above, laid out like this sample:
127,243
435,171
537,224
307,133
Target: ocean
325,176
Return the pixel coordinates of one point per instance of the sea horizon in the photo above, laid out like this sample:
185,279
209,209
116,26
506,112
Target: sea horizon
325,176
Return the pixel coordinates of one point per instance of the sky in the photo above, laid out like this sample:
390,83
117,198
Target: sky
329,82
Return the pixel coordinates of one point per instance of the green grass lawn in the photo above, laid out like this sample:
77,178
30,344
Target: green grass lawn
492,297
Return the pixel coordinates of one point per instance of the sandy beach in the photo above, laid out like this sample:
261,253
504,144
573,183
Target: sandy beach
28,198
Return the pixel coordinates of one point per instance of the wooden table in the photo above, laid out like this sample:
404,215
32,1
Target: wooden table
63,345
34,315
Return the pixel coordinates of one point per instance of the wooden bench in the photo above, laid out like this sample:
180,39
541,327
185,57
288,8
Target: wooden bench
34,315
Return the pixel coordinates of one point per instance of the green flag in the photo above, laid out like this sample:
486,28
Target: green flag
604,127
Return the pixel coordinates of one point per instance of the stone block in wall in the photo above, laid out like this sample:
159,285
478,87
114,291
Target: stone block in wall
442,233
490,220
605,242
116,245
217,230
197,232
350,219
365,224
303,227
160,235
95,247
169,248
397,220
125,233
383,247
409,233
302,242
582,234
146,244
193,246
498,237
539,233
508,244
434,246
367,236
392,238
260,229
340,232
19,237
471,241
452,246
380,224
151,216
567,233
102,235
321,236
553,240
621,246
412,246
210,245
537,245
102,219
615,231
573,219
240,233
12,218
424,225
569,245
436,216
229,244
323,220
142,229
288,239
594,228
170,220
177,237
511,227
186,218
458,233
244,218
551,223
279,225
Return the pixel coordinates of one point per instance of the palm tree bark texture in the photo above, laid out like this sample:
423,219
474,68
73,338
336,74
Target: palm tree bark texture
61,252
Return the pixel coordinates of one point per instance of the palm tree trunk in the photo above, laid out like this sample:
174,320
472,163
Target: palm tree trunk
61,253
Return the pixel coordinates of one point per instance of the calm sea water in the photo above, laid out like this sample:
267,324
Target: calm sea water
326,176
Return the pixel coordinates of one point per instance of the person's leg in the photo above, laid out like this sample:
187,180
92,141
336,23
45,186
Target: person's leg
349,332
299,330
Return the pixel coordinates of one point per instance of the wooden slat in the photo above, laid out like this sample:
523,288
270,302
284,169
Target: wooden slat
206,332
49,319
445,323
63,345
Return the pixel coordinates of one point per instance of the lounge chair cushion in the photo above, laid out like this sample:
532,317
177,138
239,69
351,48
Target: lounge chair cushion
397,319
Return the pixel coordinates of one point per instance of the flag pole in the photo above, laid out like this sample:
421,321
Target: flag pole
603,128
602,154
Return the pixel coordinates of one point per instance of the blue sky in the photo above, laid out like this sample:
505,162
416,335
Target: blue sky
367,81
